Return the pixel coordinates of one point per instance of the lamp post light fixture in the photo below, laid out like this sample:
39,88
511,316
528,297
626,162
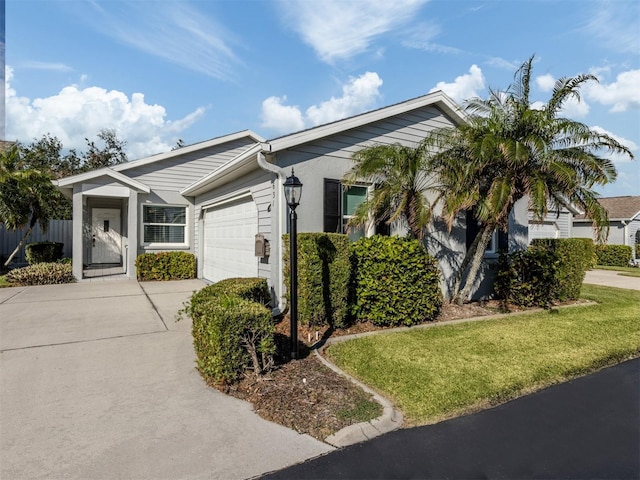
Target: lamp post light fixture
293,192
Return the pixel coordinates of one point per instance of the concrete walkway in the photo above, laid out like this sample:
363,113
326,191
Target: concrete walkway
610,278
97,381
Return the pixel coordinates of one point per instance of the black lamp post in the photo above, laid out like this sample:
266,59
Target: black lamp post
293,191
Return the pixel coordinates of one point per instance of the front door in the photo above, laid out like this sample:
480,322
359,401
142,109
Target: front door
106,240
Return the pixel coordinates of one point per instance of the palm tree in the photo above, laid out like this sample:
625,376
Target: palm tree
509,150
398,174
26,196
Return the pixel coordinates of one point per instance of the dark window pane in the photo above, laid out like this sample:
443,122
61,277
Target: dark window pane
163,234
159,214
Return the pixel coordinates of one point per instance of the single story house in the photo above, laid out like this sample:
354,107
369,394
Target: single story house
556,224
624,221
219,198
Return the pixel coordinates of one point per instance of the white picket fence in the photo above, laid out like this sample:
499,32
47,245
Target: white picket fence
58,231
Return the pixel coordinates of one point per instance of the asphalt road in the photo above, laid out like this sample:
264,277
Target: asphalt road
588,428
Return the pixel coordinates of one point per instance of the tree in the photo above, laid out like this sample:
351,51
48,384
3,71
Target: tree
398,173
509,150
26,196
112,153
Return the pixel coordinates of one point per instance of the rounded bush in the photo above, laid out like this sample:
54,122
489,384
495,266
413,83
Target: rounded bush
614,255
165,266
396,282
43,252
232,329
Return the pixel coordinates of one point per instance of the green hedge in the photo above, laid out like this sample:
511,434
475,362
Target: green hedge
232,329
165,266
575,256
43,252
614,255
528,278
41,274
323,278
551,269
396,282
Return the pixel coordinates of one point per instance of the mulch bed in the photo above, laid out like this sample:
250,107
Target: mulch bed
307,396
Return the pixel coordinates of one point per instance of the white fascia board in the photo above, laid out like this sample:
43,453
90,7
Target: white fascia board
189,149
438,99
225,173
636,215
68,182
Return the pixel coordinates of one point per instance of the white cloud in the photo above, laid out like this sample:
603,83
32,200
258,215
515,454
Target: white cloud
618,157
336,29
77,113
614,24
463,87
175,31
281,118
621,95
51,66
358,95
421,37
545,82
499,62
572,108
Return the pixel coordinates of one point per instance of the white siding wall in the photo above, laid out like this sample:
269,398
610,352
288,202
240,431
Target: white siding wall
179,172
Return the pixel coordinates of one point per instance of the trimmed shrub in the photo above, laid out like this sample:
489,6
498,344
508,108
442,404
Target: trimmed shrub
43,252
575,257
41,274
614,255
528,278
396,282
323,278
165,266
232,329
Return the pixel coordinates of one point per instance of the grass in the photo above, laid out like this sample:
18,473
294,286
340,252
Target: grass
625,271
3,282
437,373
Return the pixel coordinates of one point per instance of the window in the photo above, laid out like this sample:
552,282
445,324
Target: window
164,224
340,204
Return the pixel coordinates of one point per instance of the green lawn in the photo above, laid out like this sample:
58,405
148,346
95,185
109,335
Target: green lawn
3,282
626,271
437,373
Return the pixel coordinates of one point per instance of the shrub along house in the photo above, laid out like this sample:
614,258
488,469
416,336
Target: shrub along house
223,199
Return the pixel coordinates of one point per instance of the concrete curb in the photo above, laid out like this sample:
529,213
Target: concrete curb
391,419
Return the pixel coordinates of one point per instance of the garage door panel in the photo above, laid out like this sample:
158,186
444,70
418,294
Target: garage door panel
229,236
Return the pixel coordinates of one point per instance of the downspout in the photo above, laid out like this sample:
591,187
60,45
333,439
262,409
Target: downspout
281,213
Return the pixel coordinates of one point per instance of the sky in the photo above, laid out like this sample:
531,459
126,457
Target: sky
159,71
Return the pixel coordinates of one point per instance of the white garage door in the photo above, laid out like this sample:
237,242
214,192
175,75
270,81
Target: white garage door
229,241
542,230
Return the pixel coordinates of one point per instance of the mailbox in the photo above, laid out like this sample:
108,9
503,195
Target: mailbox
262,246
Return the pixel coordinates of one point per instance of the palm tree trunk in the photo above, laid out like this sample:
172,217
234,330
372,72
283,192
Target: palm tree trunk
484,237
17,249
463,266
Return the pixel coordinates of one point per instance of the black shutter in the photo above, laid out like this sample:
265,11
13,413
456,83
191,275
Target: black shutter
332,206
472,228
503,240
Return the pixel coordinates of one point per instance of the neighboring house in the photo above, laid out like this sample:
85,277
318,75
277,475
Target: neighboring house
556,224
214,198
624,221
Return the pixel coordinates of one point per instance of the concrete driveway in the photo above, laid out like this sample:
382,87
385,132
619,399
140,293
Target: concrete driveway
97,381
611,278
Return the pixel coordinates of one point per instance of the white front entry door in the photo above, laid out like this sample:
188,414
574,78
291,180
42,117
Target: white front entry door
106,240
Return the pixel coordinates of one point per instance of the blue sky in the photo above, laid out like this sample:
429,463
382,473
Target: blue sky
157,71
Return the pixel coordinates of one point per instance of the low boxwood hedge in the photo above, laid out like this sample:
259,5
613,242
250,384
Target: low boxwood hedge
232,329
165,266
46,273
614,255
